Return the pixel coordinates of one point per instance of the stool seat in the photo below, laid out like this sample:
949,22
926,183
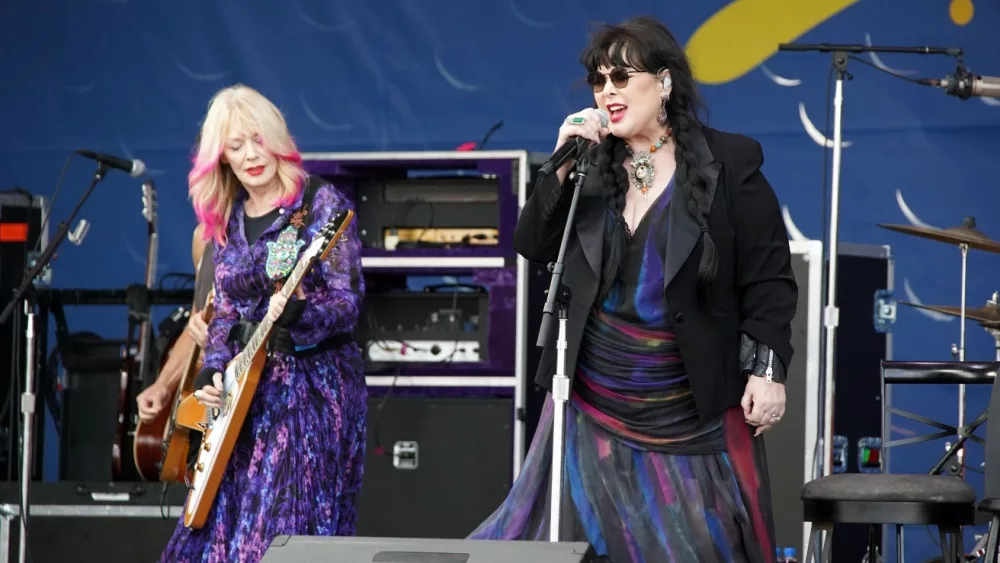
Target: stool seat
880,487
889,499
991,505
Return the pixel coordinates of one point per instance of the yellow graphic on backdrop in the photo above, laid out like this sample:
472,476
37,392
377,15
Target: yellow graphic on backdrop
961,11
745,33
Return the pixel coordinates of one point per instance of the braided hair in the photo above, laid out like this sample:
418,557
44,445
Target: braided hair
644,44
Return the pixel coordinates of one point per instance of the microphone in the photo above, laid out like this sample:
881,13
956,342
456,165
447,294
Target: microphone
134,168
963,84
571,149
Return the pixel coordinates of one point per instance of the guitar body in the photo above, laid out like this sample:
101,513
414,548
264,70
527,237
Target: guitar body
219,439
221,427
160,447
147,440
147,447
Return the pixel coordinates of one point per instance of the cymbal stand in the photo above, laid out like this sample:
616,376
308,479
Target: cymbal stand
964,247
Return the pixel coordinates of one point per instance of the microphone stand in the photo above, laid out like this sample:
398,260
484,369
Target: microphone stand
25,293
559,296
831,313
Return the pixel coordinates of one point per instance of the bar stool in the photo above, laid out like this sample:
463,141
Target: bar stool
877,499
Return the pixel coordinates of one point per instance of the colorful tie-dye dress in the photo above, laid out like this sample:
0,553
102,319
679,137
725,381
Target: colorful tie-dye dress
298,464
646,479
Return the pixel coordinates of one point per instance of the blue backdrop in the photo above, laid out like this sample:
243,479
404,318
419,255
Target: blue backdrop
133,78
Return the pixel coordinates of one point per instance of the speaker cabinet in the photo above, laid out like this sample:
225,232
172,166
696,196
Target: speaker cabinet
435,466
308,549
89,408
107,522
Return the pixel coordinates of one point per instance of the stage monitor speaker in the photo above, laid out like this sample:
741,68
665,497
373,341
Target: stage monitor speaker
435,467
313,549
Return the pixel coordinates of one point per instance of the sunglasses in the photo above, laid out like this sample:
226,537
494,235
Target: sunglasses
619,77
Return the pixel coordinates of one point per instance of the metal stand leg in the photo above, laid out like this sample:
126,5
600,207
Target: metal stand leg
831,314
28,430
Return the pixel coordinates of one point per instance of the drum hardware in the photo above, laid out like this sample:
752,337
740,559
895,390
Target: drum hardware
965,236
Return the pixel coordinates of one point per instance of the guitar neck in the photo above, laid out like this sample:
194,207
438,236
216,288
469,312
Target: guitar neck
263,329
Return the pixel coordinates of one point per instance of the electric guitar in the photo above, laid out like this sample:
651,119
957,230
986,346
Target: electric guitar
136,357
221,427
160,447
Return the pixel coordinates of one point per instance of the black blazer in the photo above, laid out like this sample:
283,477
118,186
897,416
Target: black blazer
754,290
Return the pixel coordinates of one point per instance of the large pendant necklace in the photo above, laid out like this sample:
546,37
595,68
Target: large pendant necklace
643,169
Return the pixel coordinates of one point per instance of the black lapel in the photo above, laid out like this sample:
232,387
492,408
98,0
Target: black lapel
683,231
591,217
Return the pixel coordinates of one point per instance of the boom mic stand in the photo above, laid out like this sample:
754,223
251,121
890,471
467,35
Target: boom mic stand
559,297
25,293
831,313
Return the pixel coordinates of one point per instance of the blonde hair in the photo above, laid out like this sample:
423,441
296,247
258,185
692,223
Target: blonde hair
212,184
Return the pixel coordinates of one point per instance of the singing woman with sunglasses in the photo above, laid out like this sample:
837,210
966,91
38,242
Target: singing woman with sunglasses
679,326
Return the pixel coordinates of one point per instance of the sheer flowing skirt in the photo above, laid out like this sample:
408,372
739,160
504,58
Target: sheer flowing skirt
644,506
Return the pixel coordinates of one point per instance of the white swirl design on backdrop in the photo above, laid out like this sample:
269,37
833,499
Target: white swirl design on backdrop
200,76
779,80
342,26
911,296
881,65
793,231
907,288
451,79
528,22
814,133
322,124
908,213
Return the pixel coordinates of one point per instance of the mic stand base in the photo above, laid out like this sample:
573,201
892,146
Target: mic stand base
560,400
28,402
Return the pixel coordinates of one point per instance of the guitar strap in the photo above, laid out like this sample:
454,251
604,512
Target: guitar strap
300,220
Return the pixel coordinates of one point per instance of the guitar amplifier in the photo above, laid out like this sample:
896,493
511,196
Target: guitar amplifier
88,411
312,549
462,204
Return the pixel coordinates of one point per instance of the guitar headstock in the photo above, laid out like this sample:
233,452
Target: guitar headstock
328,236
149,201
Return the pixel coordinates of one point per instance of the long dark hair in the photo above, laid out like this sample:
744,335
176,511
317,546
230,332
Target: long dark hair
646,45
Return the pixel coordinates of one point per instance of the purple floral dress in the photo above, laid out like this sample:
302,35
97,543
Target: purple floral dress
298,464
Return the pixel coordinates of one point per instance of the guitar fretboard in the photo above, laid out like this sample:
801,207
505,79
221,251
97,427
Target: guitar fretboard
264,328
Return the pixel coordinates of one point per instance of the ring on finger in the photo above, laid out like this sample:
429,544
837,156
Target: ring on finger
576,120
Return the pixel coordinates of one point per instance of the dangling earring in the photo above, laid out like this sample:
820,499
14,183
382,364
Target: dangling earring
661,117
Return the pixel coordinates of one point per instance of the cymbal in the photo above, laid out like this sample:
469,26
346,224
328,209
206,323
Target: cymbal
966,233
988,315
